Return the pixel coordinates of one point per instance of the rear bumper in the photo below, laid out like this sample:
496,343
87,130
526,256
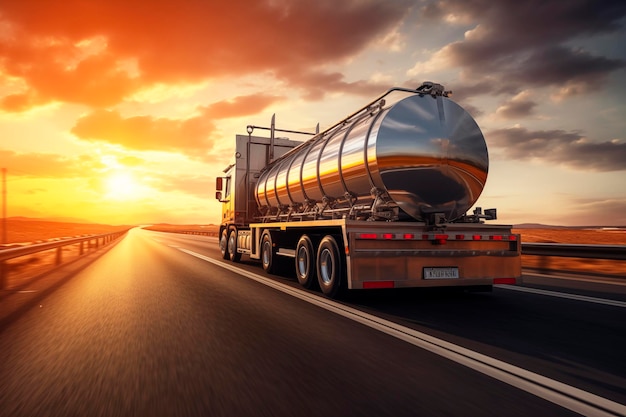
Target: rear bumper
368,270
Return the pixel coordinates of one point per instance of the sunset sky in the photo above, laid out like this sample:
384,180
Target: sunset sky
118,112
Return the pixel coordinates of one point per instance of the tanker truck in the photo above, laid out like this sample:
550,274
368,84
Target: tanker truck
380,199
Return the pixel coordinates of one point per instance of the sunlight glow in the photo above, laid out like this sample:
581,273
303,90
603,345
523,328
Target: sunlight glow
121,186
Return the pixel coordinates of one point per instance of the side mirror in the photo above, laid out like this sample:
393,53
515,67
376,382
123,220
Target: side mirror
218,195
219,185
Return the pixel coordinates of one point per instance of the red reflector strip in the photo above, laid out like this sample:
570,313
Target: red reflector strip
507,281
441,237
477,237
388,236
459,237
368,236
378,284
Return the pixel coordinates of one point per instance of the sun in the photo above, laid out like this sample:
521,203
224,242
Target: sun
121,186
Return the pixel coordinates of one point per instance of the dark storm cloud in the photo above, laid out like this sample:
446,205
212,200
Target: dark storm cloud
561,147
517,44
556,65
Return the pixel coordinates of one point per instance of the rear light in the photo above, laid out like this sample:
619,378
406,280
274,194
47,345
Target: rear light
388,236
505,281
459,237
496,237
368,236
512,237
378,284
408,236
477,237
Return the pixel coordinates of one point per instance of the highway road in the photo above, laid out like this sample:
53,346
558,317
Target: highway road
159,325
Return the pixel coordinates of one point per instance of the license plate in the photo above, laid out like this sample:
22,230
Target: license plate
441,273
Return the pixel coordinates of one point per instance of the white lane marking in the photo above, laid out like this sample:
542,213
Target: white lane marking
575,399
576,297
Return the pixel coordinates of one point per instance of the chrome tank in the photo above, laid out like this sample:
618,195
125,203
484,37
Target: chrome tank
425,154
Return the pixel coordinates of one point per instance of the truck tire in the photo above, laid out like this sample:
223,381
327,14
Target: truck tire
224,243
306,269
330,267
268,253
233,255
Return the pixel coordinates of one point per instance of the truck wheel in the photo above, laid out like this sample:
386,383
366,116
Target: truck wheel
329,267
224,243
233,255
305,262
268,253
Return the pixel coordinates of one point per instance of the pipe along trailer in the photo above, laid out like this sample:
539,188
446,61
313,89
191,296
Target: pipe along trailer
378,200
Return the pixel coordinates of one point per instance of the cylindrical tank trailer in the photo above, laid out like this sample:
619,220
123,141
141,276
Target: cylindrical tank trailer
422,153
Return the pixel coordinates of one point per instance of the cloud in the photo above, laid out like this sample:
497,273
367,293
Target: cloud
147,133
100,52
240,106
567,148
525,44
44,165
192,136
519,106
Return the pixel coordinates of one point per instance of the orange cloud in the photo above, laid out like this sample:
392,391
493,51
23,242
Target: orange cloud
45,165
190,136
99,52
240,106
146,133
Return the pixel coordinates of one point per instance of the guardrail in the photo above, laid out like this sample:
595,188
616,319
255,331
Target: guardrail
612,252
84,244
607,261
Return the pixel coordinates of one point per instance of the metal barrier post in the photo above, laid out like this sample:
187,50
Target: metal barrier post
3,269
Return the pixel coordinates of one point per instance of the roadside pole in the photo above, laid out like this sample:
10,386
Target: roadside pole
4,225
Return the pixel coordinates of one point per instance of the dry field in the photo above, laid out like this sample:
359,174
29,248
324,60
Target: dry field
209,229
36,231
580,236
575,236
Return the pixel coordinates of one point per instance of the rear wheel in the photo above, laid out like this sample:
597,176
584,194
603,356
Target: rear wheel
224,243
306,262
329,267
233,255
268,253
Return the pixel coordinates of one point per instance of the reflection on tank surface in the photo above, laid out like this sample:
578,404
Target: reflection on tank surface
418,155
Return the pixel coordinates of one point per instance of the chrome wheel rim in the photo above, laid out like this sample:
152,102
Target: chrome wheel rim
303,261
326,266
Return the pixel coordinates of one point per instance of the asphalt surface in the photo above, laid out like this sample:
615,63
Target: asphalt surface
149,330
